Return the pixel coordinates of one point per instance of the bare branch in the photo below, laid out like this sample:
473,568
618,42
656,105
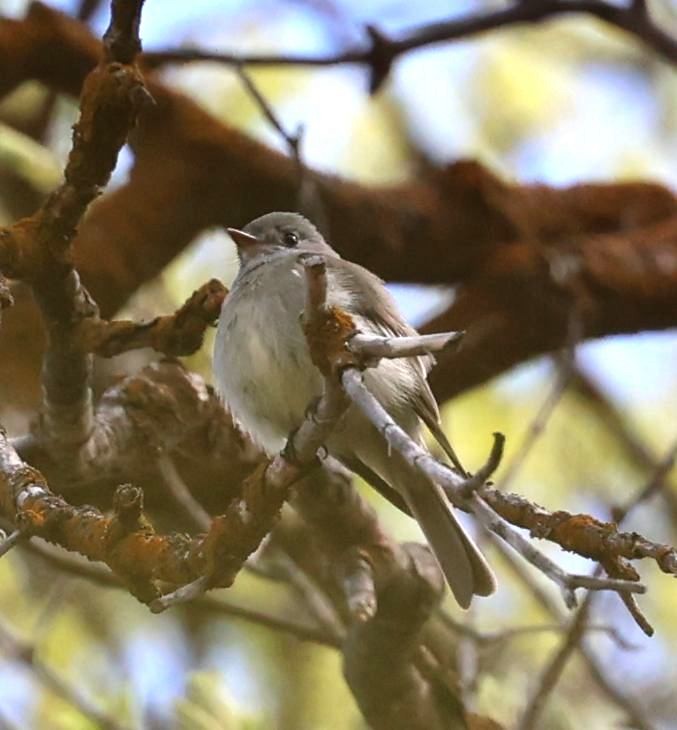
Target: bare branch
310,596
454,486
498,636
183,594
127,542
580,533
181,333
567,582
11,541
382,52
293,141
38,249
629,705
617,234
637,451
373,346
657,482
555,667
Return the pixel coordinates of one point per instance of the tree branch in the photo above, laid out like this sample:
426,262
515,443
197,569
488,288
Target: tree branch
181,333
383,51
38,249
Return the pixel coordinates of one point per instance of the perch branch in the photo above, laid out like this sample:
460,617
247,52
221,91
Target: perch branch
580,533
373,346
453,485
127,542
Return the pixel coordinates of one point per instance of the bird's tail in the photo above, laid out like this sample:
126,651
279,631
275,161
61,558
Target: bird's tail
465,568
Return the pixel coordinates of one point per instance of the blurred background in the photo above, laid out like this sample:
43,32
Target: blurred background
571,100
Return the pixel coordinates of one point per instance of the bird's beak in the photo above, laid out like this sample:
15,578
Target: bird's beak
242,239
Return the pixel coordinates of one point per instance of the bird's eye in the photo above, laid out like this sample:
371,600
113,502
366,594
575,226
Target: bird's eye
290,239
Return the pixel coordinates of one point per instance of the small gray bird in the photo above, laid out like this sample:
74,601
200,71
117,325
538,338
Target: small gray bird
263,372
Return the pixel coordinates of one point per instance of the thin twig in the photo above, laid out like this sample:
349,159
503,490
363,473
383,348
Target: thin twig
10,541
382,50
567,582
295,629
655,484
518,632
555,667
310,595
373,346
308,198
636,714
183,594
293,141
454,486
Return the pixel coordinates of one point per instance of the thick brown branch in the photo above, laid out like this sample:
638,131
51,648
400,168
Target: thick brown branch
521,305
386,592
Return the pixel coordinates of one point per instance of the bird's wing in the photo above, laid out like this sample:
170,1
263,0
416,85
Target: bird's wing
374,302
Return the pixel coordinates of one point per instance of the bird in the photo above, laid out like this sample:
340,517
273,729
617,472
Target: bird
263,373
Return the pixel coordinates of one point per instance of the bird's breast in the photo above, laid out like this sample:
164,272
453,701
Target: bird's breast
261,364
